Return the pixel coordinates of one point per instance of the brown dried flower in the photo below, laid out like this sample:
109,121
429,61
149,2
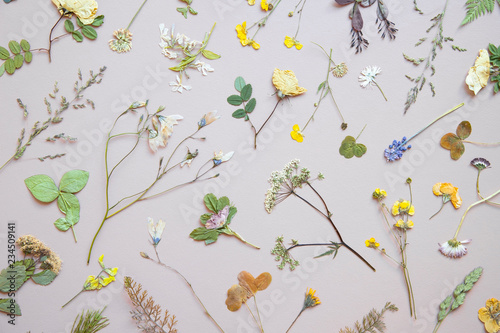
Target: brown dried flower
30,245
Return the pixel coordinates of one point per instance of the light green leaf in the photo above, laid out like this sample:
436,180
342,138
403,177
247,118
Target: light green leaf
12,278
240,113
192,11
459,300
246,92
204,234
89,32
69,26
25,45
68,204
98,21
6,306
210,55
10,67
62,224
73,181
18,61
350,148
77,35
183,11
5,54
233,100
239,83
211,202
205,217
250,105
2,69
14,47
321,85
44,278
222,202
232,211
42,187
28,56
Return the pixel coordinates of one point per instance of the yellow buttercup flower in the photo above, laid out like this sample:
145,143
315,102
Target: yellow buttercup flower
449,193
379,194
291,42
404,225
85,10
286,83
489,315
264,4
296,134
241,33
371,243
403,207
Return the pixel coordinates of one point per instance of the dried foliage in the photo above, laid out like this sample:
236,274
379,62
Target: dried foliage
373,322
148,314
90,321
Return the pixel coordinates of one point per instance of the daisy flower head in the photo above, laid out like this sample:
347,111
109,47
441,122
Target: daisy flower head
454,248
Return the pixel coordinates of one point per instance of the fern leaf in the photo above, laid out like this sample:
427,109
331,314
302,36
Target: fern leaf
476,8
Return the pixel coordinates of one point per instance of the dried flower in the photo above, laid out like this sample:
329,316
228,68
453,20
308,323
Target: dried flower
265,5
291,42
189,158
372,243
367,77
178,86
163,127
379,194
241,33
480,163
339,70
30,245
490,315
286,83
282,254
208,118
449,192
155,230
478,75
203,67
220,157
403,207
454,248
122,42
296,134
401,224
310,299
85,10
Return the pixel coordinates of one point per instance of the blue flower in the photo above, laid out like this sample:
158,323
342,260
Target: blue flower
396,150
155,230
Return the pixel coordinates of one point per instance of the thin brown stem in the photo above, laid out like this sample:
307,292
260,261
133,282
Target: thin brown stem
50,36
264,124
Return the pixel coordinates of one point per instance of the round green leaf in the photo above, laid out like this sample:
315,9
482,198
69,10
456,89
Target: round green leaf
42,187
28,56
68,204
359,149
73,181
10,67
11,279
235,100
464,129
62,224
69,26
250,105
4,53
239,83
246,92
89,32
14,47
98,21
6,306
18,61
77,35
44,278
240,113
25,45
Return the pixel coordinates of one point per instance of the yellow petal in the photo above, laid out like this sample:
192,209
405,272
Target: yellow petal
411,211
395,208
298,46
251,2
264,5
289,41
255,45
286,82
483,315
436,189
456,200
479,74
296,128
447,188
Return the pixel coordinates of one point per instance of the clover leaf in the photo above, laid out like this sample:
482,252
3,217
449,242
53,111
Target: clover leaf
454,143
350,148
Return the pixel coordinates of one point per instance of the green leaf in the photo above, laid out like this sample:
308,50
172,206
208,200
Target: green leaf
250,105
232,211
205,217
209,54
73,181
69,26
68,204
25,45
476,8
10,67
89,32
29,265
359,149
11,279
222,202
184,62
4,53
9,306
246,92
239,83
192,11
183,11
14,47
42,187
204,234
211,202
77,35
350,148
62,224
44,278
80,24
18,61
28,56
233,100
98,21
464,129
459,300
321,85
2,69
240,113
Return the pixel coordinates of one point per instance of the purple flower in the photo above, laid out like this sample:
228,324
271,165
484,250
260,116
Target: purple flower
218,220
396,150
480,163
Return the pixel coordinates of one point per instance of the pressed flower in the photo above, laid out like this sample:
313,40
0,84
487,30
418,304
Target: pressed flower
203,67
221,157
241,30
296,134
367,77
490,315
454,248
339,70
311,300
85,10
107,280
480,163
155,230
251,2
291,42
91,283
379,194
403,207
478,75
218,220
178,86
163,127
371,243
401,224
396,150
286,83
449,192
265,5
122,42
208,118
189,158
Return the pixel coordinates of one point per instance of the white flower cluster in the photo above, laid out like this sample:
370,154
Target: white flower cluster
169,42
277,179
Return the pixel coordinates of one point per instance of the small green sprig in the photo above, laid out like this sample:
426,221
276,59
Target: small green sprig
372,322
15,60
476,8
495,66
282,254
90,321
184,10
453,301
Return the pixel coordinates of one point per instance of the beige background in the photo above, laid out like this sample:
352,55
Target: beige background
347,289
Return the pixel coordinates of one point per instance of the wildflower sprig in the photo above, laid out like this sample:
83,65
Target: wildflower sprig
324,90
123,37
397,148
457,298
292,41
372,322
188,9
285,183
97,282
480,164
401,212
310,301
158,129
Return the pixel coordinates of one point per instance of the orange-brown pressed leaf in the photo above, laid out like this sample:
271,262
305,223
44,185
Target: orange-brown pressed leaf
263,281
457,150
448,140
236,295
247,281
464,129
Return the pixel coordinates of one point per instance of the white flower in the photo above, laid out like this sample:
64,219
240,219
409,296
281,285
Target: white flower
368,76
220,157
203,67
169,54
478,75
178,86
189,158
454,248
163,128
155,230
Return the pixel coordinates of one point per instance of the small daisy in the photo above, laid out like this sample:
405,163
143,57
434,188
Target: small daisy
339,70
368,76
454,248
178,86
480,163
122,42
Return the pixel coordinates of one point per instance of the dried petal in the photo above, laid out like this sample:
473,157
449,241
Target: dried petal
236,295
263,281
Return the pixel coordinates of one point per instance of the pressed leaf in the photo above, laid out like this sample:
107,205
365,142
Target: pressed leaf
236,295
28,56
350,148
205,217
246,92
10,67
4,53
73,181
69,26
89,32
211,202
235,100
240,113
359,149
263,281
5,306
98,21
77,35
11,279
192,11
25,45
80,24
42,187
250,106
183,11
464,129
239,83
68,204
203,234
457,150
2,69
14,47
62,224
44,278
247,281
210,55
222,202
448,140
18,61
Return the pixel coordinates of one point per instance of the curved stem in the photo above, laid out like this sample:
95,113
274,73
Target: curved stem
380,90
133,18
260,129
50,35
478,192
442,205
300,16
438,118
95,236
234,233
7,162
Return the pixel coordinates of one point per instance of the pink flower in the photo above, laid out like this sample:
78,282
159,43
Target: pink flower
218,220
453,248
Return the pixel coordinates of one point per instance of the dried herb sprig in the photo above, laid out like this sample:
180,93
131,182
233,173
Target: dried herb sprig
147,314
90,321
436,43
453,301
55,115
372,322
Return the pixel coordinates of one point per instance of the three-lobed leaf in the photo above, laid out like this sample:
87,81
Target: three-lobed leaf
42,187
350,148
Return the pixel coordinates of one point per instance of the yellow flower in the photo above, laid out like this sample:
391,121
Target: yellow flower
311,300
251,2
401,207
379,194
478,75
449,192
371,243
296,134
489,315
92,283
404,225
291,41
286,83
112,271
107,280
241,33
264,5
85,10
